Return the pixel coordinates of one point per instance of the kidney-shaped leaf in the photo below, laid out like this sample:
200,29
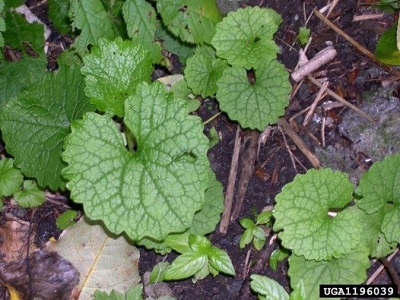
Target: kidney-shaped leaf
112,72
244,37
150,192
302,212
254,104
379,186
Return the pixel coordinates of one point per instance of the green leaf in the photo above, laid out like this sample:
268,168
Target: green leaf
38,120
299,292
153,191
202,72
220,260
268,287
259,243
173,44
264,217
277,256
58,14
302,212
23,35
259,232
178,242
381,185
304,35
185,266
246,223
66,219
191,20
334,271
255,105
15,76
244,37
2,24
112,72
10,177
372,235
246,238
90,17
141,20
133,293
386,50
199,243
205,220
158,272
29,195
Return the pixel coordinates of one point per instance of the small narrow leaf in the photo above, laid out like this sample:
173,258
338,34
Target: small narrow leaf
302,212
244,37
112,72
268,288
10,177
277,256
264,217
246,238
246,223
255,104
66,219
185,266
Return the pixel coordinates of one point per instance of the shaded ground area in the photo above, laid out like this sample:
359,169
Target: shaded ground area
278,160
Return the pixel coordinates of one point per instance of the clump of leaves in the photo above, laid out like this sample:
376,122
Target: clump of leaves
198,258
323,230
255,231
26,193
304,35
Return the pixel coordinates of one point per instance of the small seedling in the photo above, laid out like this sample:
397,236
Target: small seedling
255,231
198,259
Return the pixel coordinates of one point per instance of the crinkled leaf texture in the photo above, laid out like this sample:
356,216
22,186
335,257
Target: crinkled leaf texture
17,75
112,72
29,195
350,268
244,37
91,18
379,186
104,261
153,191
254,105
302,212
202,72
192,21
268,287
34,124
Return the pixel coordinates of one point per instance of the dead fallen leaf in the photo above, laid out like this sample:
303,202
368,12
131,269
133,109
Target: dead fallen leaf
104,262
45,275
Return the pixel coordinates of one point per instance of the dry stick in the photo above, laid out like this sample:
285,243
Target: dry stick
341,99
321,94
380,269
249,161
299,142
392,271
230,190
358,46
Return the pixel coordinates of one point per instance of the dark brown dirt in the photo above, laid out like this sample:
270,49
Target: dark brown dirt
350,74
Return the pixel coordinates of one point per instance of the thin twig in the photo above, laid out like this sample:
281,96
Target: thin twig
341,99
321,95
300,143
392,271
230,190
380,269
358,46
